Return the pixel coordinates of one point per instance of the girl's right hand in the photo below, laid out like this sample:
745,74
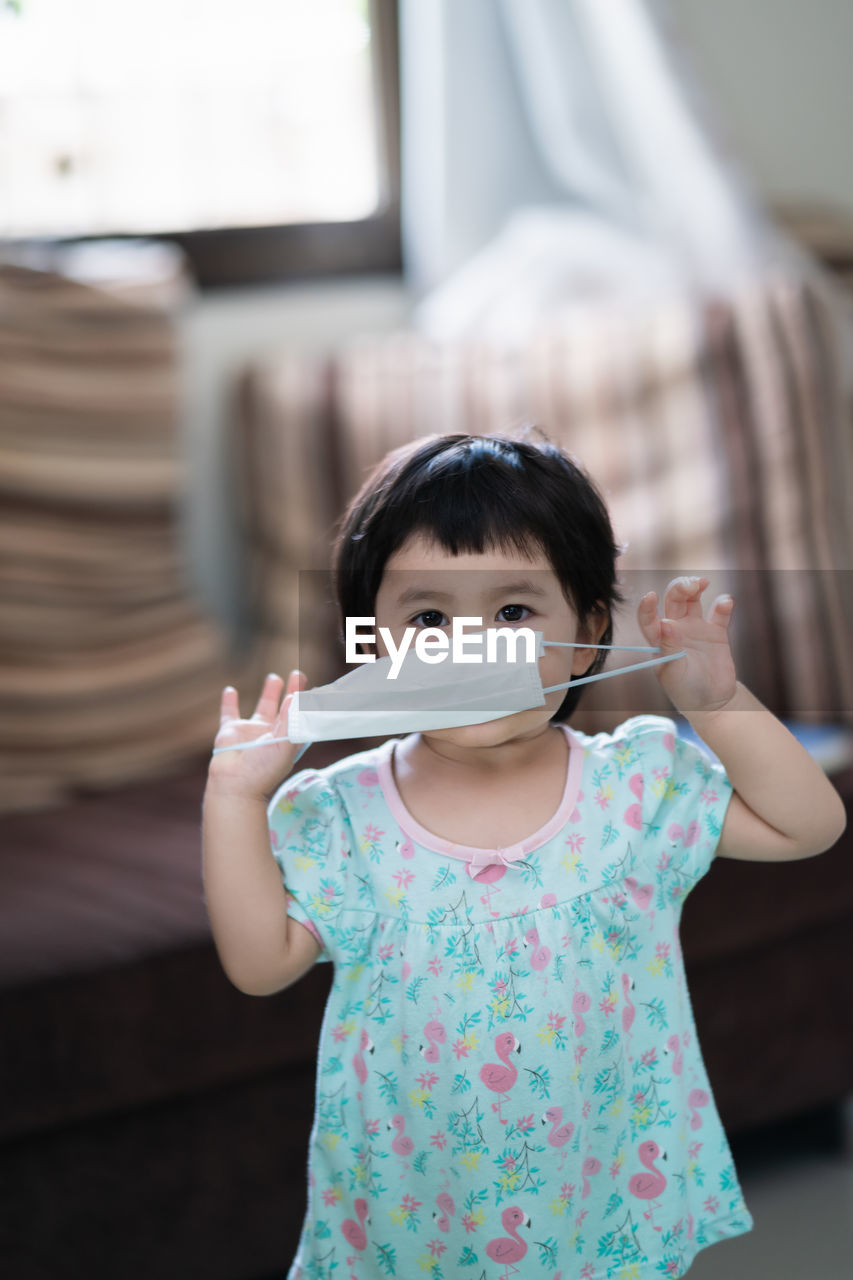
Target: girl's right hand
259,771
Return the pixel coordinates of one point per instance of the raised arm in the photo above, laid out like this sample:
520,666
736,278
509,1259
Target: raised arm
261,949
784,807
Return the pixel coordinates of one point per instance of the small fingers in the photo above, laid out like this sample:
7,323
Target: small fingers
296,680
722,610
647,609
683,597
647,616
267,707
686,587
229,706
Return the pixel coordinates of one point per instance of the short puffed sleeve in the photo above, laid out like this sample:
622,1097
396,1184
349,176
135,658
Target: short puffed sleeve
308,839
682,794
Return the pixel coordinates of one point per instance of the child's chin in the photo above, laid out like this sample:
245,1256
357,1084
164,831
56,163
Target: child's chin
492,732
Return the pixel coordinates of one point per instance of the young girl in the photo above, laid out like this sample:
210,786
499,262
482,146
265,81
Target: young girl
509,1078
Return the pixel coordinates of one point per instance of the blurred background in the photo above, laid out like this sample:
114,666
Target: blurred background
245,251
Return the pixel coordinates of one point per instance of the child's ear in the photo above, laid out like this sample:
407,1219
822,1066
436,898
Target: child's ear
593,626
590,631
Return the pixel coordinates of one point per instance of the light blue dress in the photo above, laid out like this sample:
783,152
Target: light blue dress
509,1080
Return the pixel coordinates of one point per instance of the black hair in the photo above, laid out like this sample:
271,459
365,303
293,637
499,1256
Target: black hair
472,493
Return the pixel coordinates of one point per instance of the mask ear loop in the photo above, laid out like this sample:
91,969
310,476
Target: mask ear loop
604,675
578,644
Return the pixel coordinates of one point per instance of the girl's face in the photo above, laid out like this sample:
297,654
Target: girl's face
424,586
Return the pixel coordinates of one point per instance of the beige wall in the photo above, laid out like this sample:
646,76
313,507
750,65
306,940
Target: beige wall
778,73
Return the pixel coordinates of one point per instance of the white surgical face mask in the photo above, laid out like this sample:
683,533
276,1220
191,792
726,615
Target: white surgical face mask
364,703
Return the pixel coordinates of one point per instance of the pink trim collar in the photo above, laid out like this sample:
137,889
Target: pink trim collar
478,857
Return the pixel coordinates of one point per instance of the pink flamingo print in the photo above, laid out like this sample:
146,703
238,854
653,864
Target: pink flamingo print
648,1186
509,1249
634,812
560,1133
590,1167
487,875
500,1077
629,1011
676,832
436,1035
540,956
548,900
407,968
696,1098
406,848
581,1003
369,779
354,1231
641,893
365,1046
674,1046
447,1207
402,1145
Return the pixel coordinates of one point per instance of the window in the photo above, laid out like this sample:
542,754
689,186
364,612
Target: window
262,136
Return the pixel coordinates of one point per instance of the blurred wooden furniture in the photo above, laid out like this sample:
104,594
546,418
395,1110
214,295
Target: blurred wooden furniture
109,669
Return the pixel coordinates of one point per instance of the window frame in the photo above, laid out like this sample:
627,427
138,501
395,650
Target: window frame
232,257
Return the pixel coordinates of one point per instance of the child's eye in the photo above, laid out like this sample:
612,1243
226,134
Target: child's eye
512,607
435,614
430,613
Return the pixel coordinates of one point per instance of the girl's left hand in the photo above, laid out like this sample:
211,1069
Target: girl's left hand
704,680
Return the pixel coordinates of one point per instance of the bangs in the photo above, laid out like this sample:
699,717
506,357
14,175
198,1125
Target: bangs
469,501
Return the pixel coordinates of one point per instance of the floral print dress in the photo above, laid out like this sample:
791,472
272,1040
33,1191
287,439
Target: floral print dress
509,1080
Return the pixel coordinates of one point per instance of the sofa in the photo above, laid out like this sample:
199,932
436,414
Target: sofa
154,1119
